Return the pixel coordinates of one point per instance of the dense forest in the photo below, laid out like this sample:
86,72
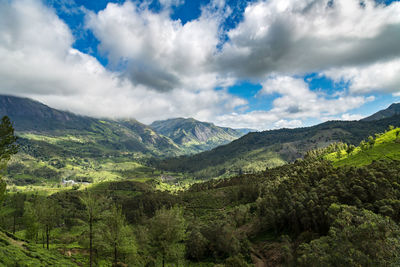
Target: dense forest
323,210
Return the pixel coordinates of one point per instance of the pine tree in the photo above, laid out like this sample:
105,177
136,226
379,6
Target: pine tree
7,149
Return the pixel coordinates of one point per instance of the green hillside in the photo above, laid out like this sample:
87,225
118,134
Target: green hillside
195,136
392,110
259,150
384,146
36,122
57,145
17,252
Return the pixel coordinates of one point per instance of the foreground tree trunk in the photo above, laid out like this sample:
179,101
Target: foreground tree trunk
115,253
47,236
90,241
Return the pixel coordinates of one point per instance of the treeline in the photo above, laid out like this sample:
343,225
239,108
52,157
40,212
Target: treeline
278,146
306,214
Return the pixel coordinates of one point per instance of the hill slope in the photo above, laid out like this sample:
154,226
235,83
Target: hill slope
15,252
392,110
35,121
194,135
256,151
56,145
385,146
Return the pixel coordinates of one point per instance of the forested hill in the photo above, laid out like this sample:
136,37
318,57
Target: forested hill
195,135
258,150
30,115
392,110
35,121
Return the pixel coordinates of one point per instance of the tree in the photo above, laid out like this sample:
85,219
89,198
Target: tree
49,214
31,220
7,149
17,204
167,232
356,238
115,234
93,213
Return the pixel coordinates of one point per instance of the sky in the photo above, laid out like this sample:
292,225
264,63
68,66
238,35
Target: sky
242,64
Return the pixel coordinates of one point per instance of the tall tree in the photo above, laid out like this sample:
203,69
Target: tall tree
49,212
17,204
7,149
167,231
115,234
93,213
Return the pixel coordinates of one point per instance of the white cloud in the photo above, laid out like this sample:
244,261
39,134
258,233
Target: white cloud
295,104
162,68
292,36
288,124
378,77
171,3
296,100
159,52
37,60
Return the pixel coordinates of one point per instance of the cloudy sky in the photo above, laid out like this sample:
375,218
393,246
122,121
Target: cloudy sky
254,64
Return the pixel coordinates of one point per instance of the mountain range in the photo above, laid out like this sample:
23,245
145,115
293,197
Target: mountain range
257,151
33,119
47,133
194,134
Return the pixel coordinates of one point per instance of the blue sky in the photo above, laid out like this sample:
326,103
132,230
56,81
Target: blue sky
254,64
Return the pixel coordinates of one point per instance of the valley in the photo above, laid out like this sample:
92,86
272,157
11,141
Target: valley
83,191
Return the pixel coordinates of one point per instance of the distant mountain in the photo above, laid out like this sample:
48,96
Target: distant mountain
259,150
30,115
246,130
393,109
195,135
35,122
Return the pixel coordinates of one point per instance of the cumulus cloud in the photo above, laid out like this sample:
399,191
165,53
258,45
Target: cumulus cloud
295,103
161,68
377,77
296,100
157,51
37,60
294,36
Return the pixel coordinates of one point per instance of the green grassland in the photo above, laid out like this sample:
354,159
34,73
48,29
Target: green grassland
385,146
18,252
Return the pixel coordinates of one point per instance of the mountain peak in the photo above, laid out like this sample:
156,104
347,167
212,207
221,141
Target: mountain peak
392,110
193,133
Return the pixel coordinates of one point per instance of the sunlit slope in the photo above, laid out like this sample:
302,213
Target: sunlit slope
259,150
15,252
384,146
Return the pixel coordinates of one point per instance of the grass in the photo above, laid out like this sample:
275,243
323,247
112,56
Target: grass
18,252
386,146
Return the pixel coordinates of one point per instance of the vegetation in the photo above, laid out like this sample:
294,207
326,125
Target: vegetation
195,136
338,206
260,150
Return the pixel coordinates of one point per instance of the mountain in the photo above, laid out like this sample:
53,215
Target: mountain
195,135
259,150
245,130
393,109
35,121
